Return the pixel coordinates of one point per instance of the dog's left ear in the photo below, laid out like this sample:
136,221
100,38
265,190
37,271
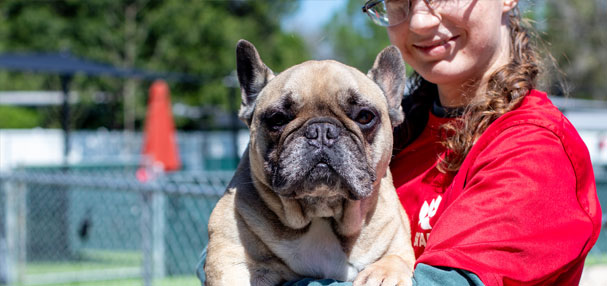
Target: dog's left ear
388,72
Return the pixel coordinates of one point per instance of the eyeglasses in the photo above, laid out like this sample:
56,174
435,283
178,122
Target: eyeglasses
393,12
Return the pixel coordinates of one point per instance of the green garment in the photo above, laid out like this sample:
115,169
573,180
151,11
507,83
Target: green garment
424,275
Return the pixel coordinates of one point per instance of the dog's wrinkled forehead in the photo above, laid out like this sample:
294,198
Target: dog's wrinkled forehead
320,86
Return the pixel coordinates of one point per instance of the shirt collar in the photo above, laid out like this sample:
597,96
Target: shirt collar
446,112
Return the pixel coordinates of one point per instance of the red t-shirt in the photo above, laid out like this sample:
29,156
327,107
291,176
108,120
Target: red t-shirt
522,209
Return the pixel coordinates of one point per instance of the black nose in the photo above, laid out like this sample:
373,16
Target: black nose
322,134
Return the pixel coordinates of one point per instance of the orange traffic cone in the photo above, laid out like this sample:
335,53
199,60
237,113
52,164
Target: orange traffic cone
159,141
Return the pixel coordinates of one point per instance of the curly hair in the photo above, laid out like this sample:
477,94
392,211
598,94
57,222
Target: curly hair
506,88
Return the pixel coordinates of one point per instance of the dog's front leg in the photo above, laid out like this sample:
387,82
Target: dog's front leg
225,268
389,270
225,262
235,256
226,272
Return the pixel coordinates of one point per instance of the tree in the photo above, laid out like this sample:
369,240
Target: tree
194,37
354,38
577,39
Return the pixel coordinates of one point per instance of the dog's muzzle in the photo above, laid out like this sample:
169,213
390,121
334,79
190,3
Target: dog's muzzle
322,158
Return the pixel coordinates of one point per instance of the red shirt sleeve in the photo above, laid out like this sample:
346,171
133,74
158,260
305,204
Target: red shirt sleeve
518,218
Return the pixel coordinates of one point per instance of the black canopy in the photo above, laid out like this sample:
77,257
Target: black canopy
66,64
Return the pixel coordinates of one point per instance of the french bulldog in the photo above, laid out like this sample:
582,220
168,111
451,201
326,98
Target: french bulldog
313,196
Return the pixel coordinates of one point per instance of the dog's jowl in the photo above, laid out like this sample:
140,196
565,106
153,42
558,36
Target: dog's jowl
312,196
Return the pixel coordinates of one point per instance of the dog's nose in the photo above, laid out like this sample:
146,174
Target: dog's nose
322,133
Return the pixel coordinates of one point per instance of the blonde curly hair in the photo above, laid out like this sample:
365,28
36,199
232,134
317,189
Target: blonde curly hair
506,88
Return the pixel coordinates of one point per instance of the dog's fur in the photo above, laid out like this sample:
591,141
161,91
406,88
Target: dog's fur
312,195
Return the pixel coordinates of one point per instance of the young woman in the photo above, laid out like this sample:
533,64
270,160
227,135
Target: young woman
497,183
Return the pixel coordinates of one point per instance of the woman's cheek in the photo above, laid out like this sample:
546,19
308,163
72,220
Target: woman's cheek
396,37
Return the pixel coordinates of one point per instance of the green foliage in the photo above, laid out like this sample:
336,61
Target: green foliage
18,117
193,37
354,38
576,36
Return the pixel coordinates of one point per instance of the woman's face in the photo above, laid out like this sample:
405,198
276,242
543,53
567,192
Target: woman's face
454,41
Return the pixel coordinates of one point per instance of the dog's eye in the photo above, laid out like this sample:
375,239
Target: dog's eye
277,120
364,117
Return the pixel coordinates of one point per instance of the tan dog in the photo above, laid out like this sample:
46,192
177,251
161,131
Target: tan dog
313,196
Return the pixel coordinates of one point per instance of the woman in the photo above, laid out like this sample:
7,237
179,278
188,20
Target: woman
497,183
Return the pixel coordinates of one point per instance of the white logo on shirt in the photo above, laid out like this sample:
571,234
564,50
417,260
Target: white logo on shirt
427,212
421,239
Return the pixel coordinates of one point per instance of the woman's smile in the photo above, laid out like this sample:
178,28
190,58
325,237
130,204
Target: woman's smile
435,49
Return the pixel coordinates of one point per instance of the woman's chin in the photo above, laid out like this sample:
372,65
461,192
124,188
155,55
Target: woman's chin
445,76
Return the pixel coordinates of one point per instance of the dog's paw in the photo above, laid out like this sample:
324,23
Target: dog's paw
390,270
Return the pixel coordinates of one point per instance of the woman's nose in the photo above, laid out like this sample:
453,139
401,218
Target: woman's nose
423,18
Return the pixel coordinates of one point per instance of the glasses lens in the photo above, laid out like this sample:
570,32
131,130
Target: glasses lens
388,12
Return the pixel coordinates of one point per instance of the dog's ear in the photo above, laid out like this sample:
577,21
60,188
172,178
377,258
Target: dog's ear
388,72
253,75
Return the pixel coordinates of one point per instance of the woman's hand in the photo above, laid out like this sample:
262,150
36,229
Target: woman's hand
390,270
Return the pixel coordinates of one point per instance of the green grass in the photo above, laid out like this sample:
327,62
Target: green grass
171,281
88,260
99,260
103,259
596,259
57,267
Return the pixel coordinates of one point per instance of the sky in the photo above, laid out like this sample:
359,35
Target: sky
307,21
312,14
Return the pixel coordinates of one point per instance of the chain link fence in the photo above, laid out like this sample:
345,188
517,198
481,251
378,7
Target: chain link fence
100,227
598,254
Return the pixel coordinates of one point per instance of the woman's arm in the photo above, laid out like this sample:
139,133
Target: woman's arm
518,218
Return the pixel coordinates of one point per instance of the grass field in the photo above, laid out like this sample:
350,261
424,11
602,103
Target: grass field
98,268
596,259
88,260
123,268
172,281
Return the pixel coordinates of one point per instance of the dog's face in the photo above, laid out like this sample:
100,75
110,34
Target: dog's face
320,129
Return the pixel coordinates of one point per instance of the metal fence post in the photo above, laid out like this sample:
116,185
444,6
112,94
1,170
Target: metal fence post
15,229
3,234
146,238
3,261
152,239
158,229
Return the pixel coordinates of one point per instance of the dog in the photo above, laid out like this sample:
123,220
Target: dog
313,196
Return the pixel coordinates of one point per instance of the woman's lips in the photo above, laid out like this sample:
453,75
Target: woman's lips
435,48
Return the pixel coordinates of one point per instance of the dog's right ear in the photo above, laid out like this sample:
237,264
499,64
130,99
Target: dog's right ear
253,75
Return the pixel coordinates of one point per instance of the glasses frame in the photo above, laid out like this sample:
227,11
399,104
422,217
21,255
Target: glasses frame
368,9
370,4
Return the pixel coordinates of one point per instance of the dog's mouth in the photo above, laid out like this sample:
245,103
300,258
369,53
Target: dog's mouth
322,174
322,168
322,165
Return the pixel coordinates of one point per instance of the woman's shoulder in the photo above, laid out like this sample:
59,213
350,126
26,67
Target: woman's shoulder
537,145
536,109
539,134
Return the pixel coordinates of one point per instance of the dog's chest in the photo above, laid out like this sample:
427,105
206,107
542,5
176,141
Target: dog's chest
318,253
